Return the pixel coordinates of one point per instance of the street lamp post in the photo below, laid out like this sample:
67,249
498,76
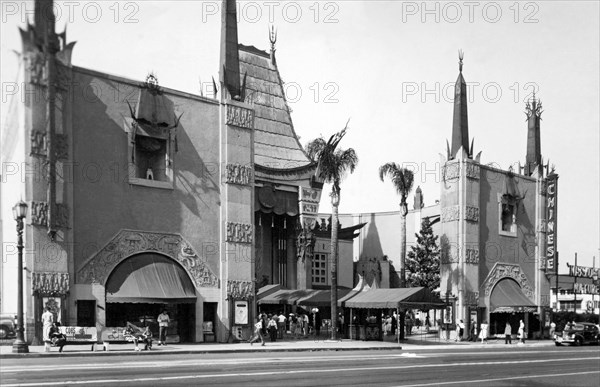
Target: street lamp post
19,213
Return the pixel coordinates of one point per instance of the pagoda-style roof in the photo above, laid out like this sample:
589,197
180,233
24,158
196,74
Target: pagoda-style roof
276,146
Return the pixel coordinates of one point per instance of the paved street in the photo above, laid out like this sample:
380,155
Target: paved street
493,366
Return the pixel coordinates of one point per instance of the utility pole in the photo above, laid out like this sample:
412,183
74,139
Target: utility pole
575,287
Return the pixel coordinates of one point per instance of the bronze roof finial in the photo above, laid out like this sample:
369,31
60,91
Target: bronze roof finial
461,55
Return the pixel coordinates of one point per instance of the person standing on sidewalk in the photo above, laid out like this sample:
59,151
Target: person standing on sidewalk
281,325
521,332
552,330
47,322
483,331
460,330
508,333
257,335
163,325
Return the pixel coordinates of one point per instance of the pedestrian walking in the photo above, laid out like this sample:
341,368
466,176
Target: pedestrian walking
483,331
507,333
521,333
272,329
460,330
552,330
257,335
47,321
306,324
163,325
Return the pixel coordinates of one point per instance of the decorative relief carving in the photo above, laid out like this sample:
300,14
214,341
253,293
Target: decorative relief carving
473,171
37,69
451,171
49,283
544,187
472,256
39,214
61,147
472,298
39,145
542,226
305,243
506,270
240,290
240,117
472,214
239,232
127,242
239,174
449,214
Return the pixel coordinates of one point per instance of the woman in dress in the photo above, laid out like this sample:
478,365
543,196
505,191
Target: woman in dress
483,331
47,321
521,332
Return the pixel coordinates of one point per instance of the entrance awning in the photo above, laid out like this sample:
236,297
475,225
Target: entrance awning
321,298
285,296
150,278
507,297
416,298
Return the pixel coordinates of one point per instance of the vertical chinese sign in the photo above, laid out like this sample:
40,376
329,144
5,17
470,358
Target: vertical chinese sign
551,217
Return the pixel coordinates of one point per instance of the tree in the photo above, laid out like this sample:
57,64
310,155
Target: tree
423,262
402,179
332,166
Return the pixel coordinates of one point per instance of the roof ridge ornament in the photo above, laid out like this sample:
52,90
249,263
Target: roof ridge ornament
273,40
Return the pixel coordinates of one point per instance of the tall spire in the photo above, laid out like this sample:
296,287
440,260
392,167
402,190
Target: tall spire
460,124
230,61
533,159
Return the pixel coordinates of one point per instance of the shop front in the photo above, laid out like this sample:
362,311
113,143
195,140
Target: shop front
143,286
366,308
508,304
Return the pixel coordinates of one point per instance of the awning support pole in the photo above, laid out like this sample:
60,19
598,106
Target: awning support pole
398,324
351,323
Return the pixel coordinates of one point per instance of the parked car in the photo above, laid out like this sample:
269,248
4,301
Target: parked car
8,325
578,334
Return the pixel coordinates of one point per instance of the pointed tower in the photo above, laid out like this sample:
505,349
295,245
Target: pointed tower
230,61
460,124
533,159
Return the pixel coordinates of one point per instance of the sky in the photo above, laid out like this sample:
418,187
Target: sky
389,67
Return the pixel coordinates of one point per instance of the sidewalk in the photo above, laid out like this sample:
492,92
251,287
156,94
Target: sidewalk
308,345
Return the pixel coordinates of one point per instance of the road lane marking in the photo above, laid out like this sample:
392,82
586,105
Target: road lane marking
279,359
197,361
498,379
293,372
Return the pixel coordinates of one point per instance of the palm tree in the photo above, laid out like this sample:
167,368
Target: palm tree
333,164
402,179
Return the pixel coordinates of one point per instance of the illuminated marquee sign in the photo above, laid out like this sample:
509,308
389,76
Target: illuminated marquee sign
551,217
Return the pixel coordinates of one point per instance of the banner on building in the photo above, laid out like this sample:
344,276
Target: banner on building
80,333
308,203
551,218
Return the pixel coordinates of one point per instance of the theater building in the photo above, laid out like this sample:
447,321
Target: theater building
497,229
143,198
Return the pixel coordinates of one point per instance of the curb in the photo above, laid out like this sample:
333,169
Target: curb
186,352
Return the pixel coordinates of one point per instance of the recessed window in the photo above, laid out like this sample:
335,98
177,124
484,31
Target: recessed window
150,158
507,216
319,269
150,155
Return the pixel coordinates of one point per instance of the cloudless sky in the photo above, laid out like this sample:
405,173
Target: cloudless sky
389,67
